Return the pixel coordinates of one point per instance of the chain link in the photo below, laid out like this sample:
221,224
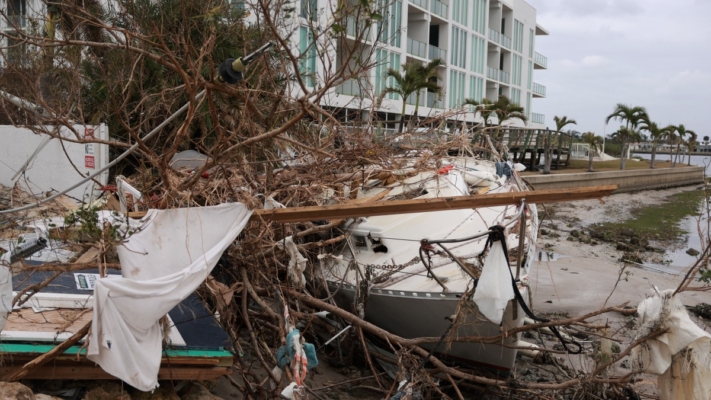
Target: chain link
396,267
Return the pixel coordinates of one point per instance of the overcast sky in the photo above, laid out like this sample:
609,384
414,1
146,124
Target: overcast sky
650,53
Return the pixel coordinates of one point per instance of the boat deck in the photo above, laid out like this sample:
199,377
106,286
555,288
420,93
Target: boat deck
199,349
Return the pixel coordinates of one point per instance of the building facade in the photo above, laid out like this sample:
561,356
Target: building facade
488,48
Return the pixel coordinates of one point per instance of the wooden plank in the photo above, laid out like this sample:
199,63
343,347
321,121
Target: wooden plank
339,211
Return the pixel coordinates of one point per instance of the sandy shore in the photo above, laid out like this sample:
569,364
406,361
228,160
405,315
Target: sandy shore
584,276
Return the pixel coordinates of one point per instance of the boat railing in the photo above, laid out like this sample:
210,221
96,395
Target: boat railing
520,216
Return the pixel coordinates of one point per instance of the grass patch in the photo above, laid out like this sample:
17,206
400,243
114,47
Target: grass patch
660,222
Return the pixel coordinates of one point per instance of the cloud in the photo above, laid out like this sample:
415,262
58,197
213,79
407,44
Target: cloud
594,61
585,8
639,52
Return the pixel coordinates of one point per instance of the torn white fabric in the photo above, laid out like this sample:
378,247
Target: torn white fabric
297,262
494,290
681,356
5,288
161,264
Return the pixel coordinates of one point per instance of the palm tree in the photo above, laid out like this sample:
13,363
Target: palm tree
681,132
692,144
484,108
657,134
506,110
632,116
595,142
625,135
560,123
414,78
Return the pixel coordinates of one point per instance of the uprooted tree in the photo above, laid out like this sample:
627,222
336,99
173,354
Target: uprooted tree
274,135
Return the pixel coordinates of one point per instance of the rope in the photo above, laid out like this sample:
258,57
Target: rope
497,233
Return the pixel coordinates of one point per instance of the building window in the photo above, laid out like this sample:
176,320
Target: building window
516,96
476,88
390,26
307,56
457,82
16,49
459,47
478,54
518,36
531,36
460,11
528,105
394,64
479,16
17,13
516,70
309,9
530,74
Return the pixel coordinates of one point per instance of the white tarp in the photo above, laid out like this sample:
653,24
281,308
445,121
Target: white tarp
681,356
5,288
162,264
494,290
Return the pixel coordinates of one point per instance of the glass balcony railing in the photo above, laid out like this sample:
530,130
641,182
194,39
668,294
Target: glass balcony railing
433,101
427,99
492,73
416,48
505,41
419,3
498,75
538,118
438,8
351,87
499,38
541,60
436,52
539,89
494,36
354,27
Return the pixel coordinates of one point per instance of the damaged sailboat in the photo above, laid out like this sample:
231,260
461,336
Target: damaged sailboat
417,270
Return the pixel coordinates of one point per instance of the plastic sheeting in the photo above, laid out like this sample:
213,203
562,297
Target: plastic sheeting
681,356
494,290
162,264
5,288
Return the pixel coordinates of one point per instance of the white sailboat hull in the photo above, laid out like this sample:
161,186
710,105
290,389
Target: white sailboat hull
422,314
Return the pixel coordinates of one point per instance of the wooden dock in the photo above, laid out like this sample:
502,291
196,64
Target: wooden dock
527,146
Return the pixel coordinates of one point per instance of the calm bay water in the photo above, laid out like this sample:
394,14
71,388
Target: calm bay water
678,259
701,161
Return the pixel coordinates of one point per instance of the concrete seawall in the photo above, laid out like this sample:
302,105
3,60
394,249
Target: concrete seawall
627,181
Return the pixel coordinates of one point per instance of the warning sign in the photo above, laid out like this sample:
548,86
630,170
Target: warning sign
89,133
89,148
89,162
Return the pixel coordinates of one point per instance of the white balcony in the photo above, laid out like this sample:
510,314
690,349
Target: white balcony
499,38
538,118
498,75
439,8
416,48
540,61
436,52
539,90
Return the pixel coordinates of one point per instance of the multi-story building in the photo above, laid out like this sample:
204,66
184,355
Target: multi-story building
488,48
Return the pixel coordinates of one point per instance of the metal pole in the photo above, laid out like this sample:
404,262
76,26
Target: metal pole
521,240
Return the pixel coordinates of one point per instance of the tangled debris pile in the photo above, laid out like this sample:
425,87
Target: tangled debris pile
118,270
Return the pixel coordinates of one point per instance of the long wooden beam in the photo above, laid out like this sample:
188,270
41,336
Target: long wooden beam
340,211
